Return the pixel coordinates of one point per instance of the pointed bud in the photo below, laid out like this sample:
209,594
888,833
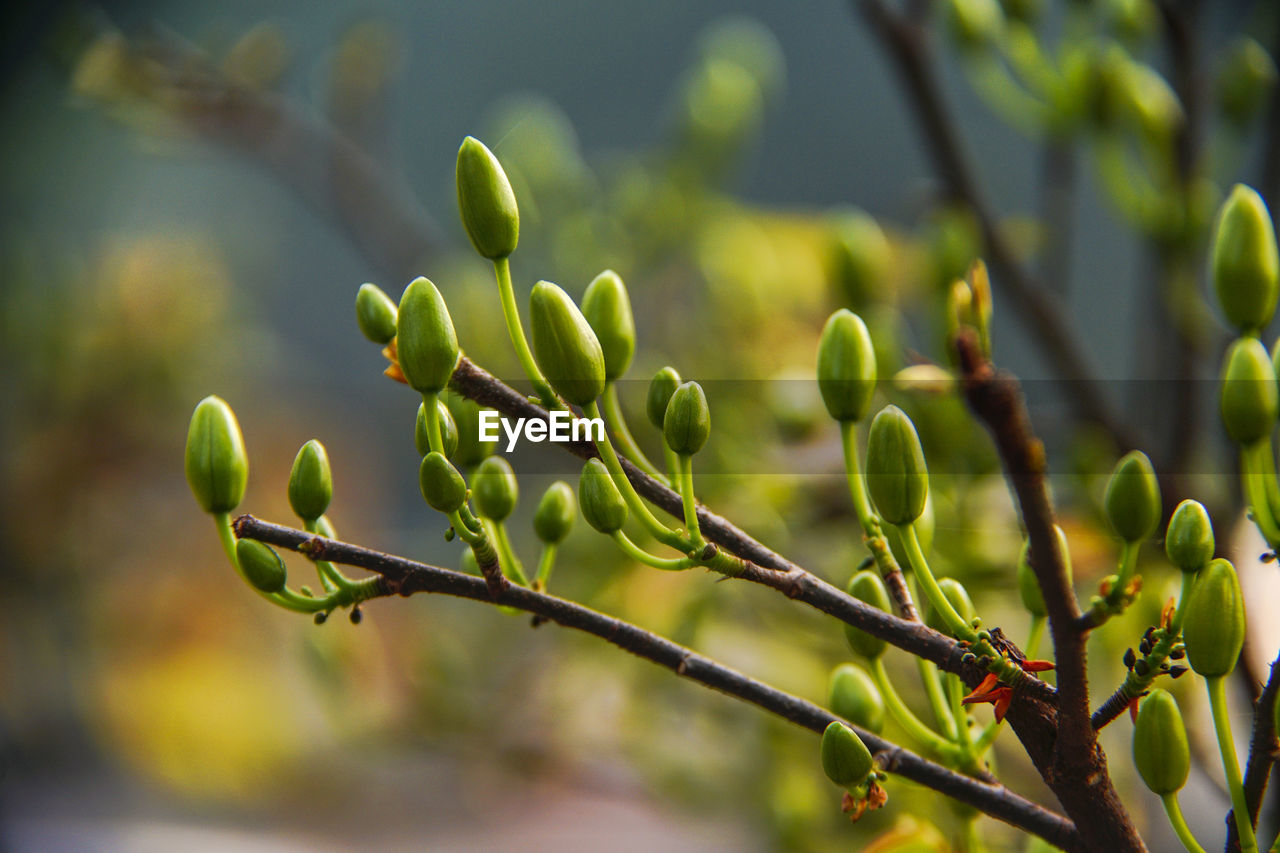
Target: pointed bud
565,346
554,516
426,345
448,430
262,566
310,483
466,418
867,587
1160,748
1028,586
661,387
687,423
1244,267
1213,627
1246,80
486,202
375,314
958,596
896,474
1250,396
216,464
1133,497
601,502
607,308
494,488
442,486
853,694
846,366
1189,540
845,758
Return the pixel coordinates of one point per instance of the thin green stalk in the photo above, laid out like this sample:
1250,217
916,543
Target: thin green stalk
515,329
1253,468
507,554
915,556
955,692
932,681
463,525
227,536
1034,636
330,576
987,738
546,563
640,555
689,502
910,723
673,463
618,426
970,841
1230,763
1179,824
857,480
1128,562
1267,468
656,528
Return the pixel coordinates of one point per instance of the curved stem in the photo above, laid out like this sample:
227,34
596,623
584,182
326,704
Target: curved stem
618,426
222,521
857,480
1253,469
507,554
915,556
545,564
1230,763
609,456
690,502
955,692
673,464
640,555
988,737
1179,824
910,723
330,576
507,293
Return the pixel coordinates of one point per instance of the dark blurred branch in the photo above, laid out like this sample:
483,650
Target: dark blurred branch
1078,768
406,577
1264,751
1269,180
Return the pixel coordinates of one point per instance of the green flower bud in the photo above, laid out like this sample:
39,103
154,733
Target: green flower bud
687,423
661,387
565,346
466,418
1133,497
1160,744
261,566
846,366
1250,396
376,314
216,464
1213,627
442,486
1247,78
601,502
845,758
1028,586
1189,540
486,202
860,258
426,345
975,24
853,694
1244,265
867,587
607,308
896,474
955,593
554,516
494,488
311,482
448,430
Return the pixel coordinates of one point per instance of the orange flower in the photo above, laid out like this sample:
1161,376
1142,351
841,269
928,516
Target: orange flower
998,694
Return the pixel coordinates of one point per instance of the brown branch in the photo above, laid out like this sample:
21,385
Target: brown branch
1077,770
406,577
1264,751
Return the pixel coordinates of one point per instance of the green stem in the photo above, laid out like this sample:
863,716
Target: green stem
507,293
640,555
988,737
909,722
618,426
1267,466
1253,469
545,564
970,842
673,463
955,692
690,502
1179,824
507,554
330,576
609,456
222,521
915,556
1034,636
1230,763
1128,562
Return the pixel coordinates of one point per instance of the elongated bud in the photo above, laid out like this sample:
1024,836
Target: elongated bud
1244,266
853,694
896,474
1160,748
661,387
442,486
1213,627
1247,78
601,502
485,201
687,423
955,593
1133,497
426,345
494,488
860,257
1189,540
846,366
216,464
1250,396
466,417
311,482
261,566
867,587
448,430
1028,586
845,758
565,346
375,314
554,516
607,308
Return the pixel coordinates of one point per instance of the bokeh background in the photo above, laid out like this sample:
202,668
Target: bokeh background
192,194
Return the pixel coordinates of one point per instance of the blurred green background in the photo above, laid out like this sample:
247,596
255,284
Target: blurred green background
193,193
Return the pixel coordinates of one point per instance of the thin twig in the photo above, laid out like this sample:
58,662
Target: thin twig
406,577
